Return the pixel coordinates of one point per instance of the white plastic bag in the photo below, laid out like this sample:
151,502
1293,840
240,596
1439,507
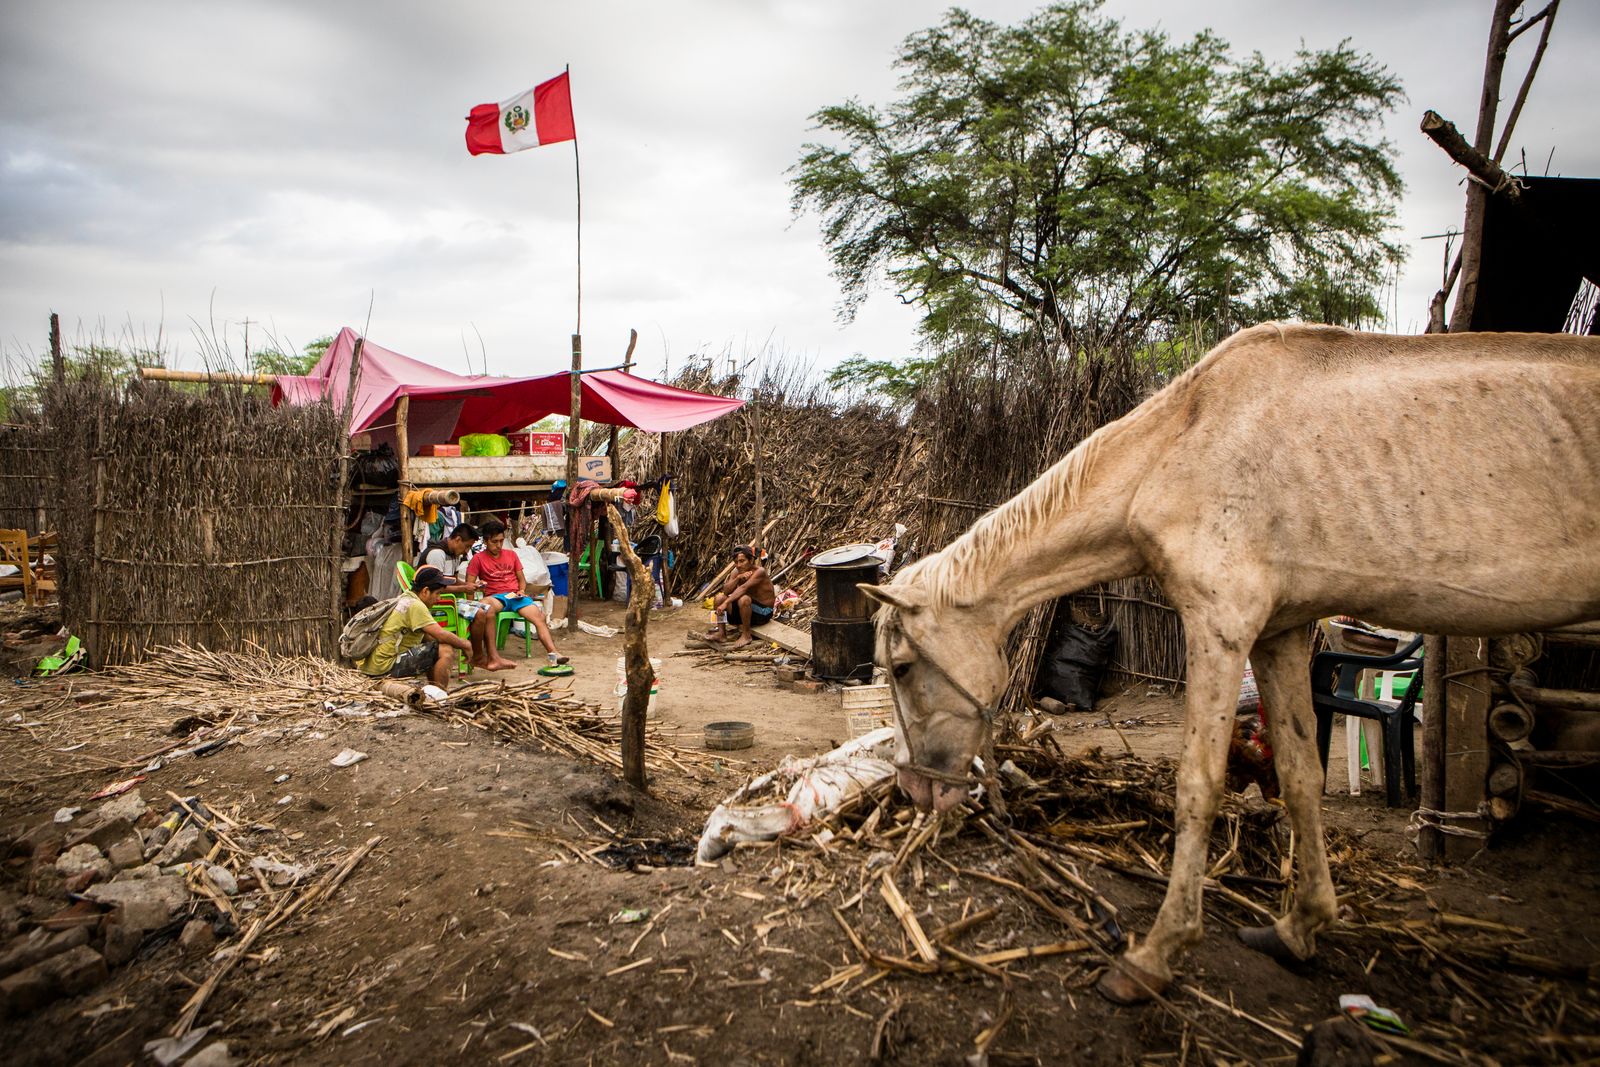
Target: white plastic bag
808,788
534,571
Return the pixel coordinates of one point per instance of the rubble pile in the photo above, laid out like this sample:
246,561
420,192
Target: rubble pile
87,891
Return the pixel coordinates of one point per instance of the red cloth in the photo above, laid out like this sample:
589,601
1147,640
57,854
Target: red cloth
500,575
540,116
444,405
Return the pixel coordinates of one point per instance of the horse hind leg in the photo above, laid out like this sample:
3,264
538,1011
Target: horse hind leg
1281,665
1215,667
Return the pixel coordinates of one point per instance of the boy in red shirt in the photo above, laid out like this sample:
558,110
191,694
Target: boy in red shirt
500,572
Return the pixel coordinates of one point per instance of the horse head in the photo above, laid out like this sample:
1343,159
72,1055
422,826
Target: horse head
946,673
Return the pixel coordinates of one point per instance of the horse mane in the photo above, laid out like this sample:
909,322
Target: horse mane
946,575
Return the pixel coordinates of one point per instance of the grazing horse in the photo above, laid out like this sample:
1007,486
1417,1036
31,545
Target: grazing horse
1442,483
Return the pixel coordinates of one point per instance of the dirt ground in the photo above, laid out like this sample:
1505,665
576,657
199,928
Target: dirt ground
476,933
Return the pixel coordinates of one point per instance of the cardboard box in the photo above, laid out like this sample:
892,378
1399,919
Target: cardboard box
597,468
439,450
538,443
866,708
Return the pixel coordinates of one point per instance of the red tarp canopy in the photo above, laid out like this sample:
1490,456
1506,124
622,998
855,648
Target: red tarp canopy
444,405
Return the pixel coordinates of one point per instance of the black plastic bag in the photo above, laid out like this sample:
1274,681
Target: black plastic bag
378,469
1072,665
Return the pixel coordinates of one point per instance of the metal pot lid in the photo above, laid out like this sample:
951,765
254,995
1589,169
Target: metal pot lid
838,557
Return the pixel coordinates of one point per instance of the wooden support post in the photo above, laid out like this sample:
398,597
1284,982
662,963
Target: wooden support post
1466,741
57,367
611,446
402,418
1431,770
336,547
637,653
577,539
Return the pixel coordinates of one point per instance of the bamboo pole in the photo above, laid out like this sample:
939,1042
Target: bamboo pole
214,377
576,538
637,653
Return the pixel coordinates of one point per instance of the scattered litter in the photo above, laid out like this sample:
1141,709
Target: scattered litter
285,799
435,694
280,779
116,788
1362,1009
598,630
630,915
169,1050
280,874
349,757
66,814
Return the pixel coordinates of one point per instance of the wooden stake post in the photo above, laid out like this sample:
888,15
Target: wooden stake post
1466,744
336,609
636,651
402,416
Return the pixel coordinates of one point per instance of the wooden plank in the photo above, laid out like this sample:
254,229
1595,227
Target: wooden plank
1466,741
455,471
785,637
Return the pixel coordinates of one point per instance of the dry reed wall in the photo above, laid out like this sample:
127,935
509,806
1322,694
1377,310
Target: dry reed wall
207,518
27,463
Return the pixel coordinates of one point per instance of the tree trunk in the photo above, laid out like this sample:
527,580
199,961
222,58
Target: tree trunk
637,653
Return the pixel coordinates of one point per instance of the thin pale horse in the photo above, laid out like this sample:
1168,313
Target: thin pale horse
1444,484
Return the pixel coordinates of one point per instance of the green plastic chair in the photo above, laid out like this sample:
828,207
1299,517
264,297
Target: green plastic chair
444,611
591,559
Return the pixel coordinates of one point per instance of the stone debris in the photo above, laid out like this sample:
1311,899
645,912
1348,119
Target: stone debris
63,975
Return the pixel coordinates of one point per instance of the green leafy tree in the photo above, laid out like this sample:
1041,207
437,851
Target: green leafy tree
276,361
1073,177
896,382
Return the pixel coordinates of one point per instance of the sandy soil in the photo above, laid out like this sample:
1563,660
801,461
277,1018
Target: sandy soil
473,934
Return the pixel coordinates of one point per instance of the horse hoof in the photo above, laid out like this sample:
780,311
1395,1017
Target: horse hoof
1125,984
1265,940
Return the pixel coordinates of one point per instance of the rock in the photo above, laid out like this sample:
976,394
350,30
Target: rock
189,843
1339,1042
82,858
37,945
144,870
68,974
45,881
45,837
79,913
100,832
1051,706
143,903
129,852
213,1055
197,939
130,806
222,880
122,943
86,878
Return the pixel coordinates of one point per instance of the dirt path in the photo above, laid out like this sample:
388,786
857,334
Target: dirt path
476,933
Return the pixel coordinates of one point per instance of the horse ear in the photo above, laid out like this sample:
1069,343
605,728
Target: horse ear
908,599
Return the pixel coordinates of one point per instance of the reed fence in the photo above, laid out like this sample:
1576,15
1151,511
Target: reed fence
27,462
206,518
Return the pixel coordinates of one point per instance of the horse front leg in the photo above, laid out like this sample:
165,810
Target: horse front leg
1282,669
1216,664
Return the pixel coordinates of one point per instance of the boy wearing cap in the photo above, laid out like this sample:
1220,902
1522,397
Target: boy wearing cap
408,644
500,571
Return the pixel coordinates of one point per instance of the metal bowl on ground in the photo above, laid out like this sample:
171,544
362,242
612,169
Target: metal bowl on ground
727,736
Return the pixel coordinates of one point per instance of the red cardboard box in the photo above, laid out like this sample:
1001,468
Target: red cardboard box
439,450
538,443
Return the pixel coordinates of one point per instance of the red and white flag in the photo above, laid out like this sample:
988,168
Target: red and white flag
542,115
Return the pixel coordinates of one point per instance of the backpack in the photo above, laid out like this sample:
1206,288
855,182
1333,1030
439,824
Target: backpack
361,633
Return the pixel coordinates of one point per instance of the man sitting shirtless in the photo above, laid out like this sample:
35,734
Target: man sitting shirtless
747,597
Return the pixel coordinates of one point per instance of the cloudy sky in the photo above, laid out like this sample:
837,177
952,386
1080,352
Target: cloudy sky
173,170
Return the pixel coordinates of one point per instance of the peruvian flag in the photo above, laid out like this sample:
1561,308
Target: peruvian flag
542,115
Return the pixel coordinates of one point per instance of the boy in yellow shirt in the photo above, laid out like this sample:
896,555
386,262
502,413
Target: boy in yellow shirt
408,644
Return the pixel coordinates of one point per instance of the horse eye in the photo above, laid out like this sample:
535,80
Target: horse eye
901,669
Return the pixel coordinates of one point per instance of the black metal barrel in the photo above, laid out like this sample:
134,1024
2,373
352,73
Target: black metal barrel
841,634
